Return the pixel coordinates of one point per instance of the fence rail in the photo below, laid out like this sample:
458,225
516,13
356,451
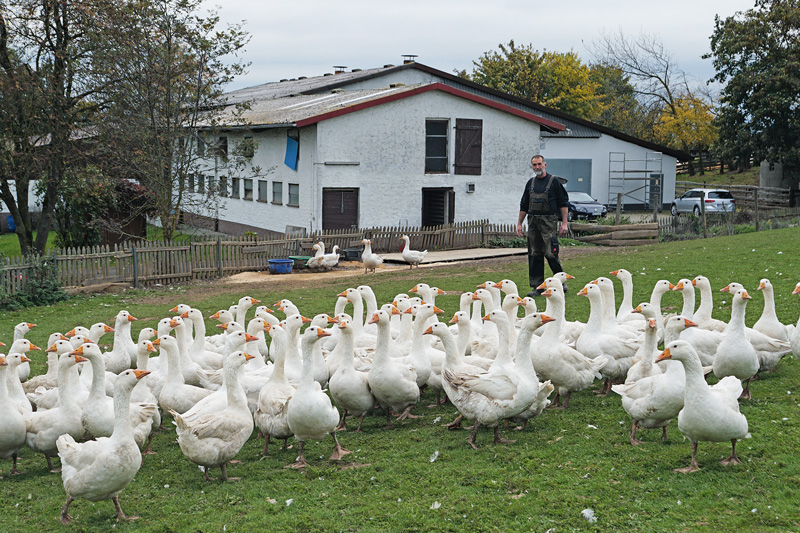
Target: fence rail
745,195
164,262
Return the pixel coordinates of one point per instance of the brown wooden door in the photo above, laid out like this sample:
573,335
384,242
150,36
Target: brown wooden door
469,143
339,208
438,206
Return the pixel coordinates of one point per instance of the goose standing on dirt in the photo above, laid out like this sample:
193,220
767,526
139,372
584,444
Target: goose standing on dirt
100,469
370,260
315,261
412,257
709,413
331,259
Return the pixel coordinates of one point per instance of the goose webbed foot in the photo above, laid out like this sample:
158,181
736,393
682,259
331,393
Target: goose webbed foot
694,466
338,451
500,440
471,438
120,514
455,424
733,459
65,517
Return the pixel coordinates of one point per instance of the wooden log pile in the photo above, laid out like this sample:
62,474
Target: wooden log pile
622,235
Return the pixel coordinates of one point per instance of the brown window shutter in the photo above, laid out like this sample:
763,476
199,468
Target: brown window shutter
469,140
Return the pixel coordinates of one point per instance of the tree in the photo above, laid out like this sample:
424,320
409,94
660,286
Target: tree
675,108
621,110
557,80
756,54
160,95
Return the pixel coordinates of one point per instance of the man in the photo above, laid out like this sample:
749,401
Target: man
543,200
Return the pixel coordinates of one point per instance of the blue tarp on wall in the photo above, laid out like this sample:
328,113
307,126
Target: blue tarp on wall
292,149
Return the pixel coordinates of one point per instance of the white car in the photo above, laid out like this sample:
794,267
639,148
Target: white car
714,200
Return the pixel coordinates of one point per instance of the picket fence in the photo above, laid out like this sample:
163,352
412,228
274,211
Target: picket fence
149,263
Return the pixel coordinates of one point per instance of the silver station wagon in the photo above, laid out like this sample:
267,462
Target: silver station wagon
714,200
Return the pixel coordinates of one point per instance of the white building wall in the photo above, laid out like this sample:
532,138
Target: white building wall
598,150
388,142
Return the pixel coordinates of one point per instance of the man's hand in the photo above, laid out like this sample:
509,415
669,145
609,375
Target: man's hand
564,229
519,230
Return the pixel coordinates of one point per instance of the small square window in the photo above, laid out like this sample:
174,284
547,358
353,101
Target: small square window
263,191
235,187
277,192
201,183
248,189
222,187
248,147
294,194
191,182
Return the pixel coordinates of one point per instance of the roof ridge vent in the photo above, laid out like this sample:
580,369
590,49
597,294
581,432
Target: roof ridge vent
339,69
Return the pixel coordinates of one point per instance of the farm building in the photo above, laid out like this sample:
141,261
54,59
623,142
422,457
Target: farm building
410,145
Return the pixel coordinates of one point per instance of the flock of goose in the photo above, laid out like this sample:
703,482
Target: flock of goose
326,261
98,414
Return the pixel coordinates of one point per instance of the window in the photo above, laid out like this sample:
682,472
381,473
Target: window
277,192
436,146
191,182
248,189
248,147
201,147
467,160
263,191
294,194
201,183
223,186
235,187
221,148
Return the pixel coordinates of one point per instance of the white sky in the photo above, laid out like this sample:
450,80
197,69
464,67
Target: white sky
308,37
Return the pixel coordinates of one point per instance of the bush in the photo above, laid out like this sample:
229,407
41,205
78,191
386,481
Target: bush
611,220
41,287
514,242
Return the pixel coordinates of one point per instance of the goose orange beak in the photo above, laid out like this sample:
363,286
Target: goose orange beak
25,359
247,356
454,320
637,309
79,351
250,338
174,309
375,318
306,320
150,347
141,373
157,342
664,355
746,296
678,287
79,359
437,311
132,318
546,318
34,347
216,315
689,324
108,329
583,292
542,286
185,314
322,333
428,331
51,348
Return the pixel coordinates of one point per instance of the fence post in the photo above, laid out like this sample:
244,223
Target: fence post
755,203
619,206
135,259
703,214
219,257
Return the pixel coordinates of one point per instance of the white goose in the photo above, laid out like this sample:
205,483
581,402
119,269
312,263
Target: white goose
625,311
735,356
349,388
20,330
213,439
370,260
43,428
768,322
49,379
270,415
309,410
332,259
412,257
12,438
100,469
15,392
123,352
709,413
176,394
702,316
315,261
794,338
392,382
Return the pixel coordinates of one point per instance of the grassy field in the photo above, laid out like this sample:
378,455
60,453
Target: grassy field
747,177
422,477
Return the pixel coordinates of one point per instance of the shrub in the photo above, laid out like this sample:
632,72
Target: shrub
514,242
611,220
41,287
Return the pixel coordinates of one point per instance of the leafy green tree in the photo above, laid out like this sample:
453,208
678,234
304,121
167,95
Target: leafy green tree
756,54
161,94
557,80
621,110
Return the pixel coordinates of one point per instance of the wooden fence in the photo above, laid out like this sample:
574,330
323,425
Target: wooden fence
166,262
622,235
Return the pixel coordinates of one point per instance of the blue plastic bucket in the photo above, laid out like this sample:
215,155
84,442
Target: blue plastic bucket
280,266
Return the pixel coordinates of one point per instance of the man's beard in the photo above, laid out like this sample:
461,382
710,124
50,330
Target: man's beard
539,172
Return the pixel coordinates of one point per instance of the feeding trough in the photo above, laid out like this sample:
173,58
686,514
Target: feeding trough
280,266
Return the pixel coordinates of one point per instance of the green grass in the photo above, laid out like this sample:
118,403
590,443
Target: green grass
563,463
750,176
9,243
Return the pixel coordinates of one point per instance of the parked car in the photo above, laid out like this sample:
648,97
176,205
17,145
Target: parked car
583,206
715,201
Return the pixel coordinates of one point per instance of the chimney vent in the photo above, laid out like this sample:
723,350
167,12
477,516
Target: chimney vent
409,58
339,69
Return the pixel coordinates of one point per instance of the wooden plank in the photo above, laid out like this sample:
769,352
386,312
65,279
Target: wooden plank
627,235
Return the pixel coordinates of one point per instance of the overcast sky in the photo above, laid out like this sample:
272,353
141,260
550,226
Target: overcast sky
309,37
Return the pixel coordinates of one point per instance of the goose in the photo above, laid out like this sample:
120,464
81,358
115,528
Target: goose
794,338
176,394
20,330
709,413
595,342
508,286
529,324
392,382
189,368
309,411
244,304
686,288
371,305
625,310
208,359
15,391
123,352
186,334
770,351
47,380
362,338
370,260
488,397
332,259
293,363
45,399
653,400
703,316
349,388
147,391
97,415
768,322
270,414
315,261
735,356
570,330
223,316
425,359
463,338
554,361
12,438
100,469
321,372
646,354
287,307
43,428
624,330
334,358
412,257
212,439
